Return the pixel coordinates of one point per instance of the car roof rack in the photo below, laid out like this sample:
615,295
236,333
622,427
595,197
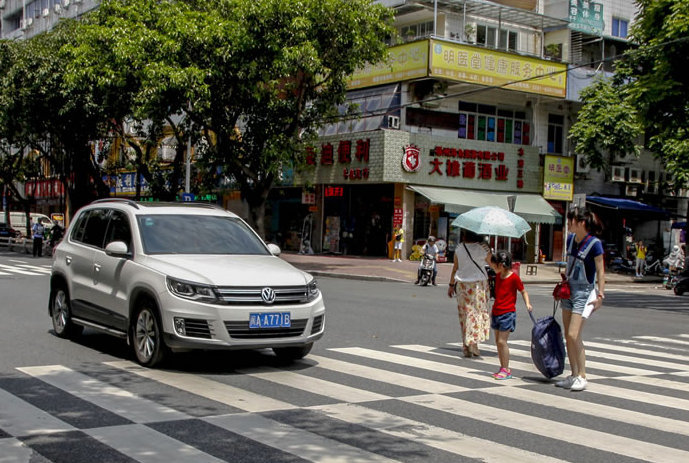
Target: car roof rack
117,200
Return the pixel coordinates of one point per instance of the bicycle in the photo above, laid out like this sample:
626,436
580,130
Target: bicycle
655,268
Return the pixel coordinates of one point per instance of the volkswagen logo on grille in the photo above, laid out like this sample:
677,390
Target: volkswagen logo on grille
268,295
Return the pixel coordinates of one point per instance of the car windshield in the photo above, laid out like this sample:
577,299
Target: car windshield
197,234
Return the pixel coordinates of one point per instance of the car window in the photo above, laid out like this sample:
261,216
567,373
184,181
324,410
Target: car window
78,229
197,234
94,231
118,229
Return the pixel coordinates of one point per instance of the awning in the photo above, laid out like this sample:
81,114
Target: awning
531,207
622,204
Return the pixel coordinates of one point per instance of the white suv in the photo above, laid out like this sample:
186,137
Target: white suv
179,276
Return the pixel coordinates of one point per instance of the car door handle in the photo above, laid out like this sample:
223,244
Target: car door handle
96,267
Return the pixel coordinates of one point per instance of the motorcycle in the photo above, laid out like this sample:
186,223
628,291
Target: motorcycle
426,270
622,265
680,283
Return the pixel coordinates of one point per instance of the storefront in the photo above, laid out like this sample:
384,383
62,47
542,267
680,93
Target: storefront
364,182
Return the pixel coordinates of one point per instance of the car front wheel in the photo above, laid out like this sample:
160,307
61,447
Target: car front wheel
147,337
293,353
62,315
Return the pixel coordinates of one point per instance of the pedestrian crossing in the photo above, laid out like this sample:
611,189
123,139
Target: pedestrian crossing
15,267
398,403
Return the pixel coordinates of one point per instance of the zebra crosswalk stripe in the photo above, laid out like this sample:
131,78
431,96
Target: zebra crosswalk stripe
149,432
127,405
313,385
301,443
593,409
433,436
378,374
23,419
214,390
558,430
146,445
12,269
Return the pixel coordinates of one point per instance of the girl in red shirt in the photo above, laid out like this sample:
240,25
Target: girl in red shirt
504,315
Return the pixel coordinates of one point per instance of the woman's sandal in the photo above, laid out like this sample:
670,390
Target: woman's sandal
467,351
504,373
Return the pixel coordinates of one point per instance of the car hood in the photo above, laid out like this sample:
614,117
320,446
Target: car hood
228,270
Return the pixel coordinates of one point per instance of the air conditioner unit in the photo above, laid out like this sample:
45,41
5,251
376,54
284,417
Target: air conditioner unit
582,165
28,22
634,175
393,122
46,12
65,3
58,8
631,190
617,174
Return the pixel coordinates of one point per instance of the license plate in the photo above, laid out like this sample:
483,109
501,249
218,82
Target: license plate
270,320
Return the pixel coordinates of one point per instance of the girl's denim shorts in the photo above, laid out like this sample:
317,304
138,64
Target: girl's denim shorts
577,300
504,322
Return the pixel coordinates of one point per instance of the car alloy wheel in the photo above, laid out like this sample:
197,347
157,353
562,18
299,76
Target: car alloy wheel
147,338
62,320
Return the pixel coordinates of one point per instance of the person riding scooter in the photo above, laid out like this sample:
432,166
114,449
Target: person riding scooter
430,249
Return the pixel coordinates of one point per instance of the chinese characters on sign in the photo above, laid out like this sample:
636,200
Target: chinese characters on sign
474,164
124,183
558,178
397,216
44,188
586,16
345,154
308,197
488,67
333,192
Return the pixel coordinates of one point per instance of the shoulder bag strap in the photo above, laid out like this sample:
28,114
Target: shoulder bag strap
483,272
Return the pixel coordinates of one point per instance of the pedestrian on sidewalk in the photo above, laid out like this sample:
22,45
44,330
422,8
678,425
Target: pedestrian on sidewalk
640,258
584,267
469,281
37,233
399,242
504,315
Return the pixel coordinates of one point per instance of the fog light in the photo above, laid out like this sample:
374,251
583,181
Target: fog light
179,326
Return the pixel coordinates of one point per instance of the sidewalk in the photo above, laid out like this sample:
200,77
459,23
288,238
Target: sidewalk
380,269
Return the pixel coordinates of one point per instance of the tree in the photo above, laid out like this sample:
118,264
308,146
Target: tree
42,115
651,86
255,78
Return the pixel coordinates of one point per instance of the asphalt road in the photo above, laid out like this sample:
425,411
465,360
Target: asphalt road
385,383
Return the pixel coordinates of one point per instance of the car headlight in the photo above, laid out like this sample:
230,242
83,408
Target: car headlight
193,291
312,290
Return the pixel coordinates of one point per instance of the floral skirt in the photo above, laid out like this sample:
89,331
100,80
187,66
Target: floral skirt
472,305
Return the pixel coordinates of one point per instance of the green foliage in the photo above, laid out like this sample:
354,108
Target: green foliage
607,125
651,83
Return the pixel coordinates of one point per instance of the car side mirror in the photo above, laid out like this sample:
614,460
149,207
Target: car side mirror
274,249
118,249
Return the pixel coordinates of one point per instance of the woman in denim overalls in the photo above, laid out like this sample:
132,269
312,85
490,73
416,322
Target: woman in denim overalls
584,268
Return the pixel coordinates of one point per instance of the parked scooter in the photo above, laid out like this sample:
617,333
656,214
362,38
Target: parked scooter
622,265
426,270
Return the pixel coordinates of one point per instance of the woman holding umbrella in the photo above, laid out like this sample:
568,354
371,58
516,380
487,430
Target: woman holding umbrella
469,281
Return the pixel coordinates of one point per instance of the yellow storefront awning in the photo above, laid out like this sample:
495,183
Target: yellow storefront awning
531,207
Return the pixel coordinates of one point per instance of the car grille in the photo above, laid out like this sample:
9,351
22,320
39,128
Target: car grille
241,330
317,324
195,328
252,295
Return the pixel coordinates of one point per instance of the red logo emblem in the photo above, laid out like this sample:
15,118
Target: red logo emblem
411,161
